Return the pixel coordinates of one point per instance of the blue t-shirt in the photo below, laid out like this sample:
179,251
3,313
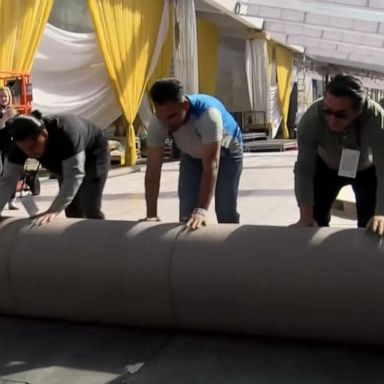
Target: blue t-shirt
208,122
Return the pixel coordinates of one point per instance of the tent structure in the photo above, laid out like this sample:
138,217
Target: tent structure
69,73
342,32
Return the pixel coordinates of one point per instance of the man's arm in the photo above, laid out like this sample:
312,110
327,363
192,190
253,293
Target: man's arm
376,223
73,175
152,179
376,127
306,216
210,161
211,131
8,181
305,168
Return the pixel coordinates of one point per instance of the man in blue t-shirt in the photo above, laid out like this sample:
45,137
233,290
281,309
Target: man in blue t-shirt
211,153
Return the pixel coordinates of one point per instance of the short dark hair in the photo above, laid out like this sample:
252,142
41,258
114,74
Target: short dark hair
25,127
167,90
344,85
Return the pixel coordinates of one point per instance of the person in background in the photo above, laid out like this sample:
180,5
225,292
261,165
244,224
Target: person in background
211,153
341,142
73,149
7,112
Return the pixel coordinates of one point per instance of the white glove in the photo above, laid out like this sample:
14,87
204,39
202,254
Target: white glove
198,218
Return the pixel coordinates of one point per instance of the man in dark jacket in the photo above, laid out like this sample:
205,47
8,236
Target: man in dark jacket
68,146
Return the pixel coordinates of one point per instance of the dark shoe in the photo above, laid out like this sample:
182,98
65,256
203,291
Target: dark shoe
12,207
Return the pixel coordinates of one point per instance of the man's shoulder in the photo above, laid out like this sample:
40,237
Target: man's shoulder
65,122
311,125
372,122
373,111
312,116
70,127
210,115
314,109
201,103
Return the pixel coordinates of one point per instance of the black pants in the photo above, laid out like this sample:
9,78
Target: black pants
87,202
327,185
2,163
32,180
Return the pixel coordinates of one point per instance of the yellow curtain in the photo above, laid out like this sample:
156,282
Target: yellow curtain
284,59
22,24
127,32
207,40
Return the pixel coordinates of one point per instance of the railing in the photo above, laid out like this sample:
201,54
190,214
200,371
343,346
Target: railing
252,121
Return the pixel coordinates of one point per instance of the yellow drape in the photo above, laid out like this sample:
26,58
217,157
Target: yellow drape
127,32
283,58
207,40
284,72
22,24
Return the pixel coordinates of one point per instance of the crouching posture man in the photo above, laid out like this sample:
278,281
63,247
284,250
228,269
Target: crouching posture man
341,142
71,148
211,153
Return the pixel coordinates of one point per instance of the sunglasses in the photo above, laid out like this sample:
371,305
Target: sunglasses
337,114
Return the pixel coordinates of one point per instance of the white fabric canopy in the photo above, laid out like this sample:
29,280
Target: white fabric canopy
231,76
185,47
308,87
69,76
256,67
71,15
340,32
275,111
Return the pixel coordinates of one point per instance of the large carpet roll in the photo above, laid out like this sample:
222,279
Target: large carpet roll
325,284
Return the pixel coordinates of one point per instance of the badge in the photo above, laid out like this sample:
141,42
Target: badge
349,163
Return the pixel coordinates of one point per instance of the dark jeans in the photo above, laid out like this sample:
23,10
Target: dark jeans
33,182
227,186
327,185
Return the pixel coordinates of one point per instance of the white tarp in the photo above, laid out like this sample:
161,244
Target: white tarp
231,86
69,76
257,70
275,112
145,111
185,46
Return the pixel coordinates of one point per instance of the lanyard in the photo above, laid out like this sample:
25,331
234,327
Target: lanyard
341,138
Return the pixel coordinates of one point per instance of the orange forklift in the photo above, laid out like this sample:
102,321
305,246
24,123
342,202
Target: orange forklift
20,86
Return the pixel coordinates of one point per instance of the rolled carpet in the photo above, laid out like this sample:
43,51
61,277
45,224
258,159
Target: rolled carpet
308,283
